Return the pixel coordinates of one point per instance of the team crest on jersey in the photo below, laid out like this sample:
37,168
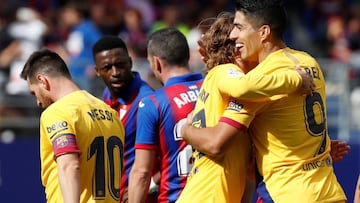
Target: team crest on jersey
235,106
232,72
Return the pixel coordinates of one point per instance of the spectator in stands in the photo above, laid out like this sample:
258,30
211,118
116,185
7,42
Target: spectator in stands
9,50
339,47
85,32
171,17
28,29
135,35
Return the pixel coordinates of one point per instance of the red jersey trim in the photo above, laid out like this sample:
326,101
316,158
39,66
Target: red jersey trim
145,146
233,123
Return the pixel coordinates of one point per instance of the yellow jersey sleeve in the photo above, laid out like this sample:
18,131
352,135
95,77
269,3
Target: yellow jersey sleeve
257,86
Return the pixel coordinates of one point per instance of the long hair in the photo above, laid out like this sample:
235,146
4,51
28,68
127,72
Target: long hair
219,47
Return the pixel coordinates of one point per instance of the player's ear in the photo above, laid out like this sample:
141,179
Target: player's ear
158,64
97,71
264,31
43,81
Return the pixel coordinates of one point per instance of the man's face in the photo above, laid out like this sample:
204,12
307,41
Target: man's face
247,39
114,67
39,90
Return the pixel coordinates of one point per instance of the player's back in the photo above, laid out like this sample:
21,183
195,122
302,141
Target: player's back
99,136
160,114
291,137
217,178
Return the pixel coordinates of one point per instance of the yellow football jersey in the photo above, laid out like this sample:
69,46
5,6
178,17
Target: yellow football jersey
291,138
81,123
222,178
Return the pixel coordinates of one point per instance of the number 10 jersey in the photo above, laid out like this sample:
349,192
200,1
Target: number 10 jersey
81,123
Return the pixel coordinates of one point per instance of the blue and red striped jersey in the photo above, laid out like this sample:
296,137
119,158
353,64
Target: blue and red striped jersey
158,117
127,107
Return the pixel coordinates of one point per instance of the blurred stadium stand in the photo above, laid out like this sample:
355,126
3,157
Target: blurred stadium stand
20,114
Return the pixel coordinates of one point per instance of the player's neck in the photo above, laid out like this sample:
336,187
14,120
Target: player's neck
174,72
270,47
63,88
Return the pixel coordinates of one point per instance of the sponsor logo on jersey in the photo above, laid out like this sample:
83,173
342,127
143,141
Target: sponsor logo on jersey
141,104
232,72
61,125
317,164
235,106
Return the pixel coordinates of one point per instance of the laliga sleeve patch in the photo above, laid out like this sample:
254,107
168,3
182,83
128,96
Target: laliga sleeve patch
65,143
232,72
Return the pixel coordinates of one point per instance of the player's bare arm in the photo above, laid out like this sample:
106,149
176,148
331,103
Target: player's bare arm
69,176
140,175
210,140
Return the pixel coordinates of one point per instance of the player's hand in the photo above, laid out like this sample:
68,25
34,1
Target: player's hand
338,150
185,124
189,118
201,48
307,85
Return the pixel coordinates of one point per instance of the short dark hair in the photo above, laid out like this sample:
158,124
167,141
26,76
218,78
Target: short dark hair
265,12
170,45
46,62
107,43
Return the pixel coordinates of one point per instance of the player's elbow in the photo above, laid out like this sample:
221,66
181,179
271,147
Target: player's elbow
216,149
138,175
217,145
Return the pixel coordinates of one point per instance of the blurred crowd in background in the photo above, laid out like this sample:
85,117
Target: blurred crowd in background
324,28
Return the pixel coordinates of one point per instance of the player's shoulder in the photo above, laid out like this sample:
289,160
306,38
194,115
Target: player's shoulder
303,56
145,89
224,71
225,66
148,99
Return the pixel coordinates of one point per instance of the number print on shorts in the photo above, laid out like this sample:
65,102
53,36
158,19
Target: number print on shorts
315,119
101,152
